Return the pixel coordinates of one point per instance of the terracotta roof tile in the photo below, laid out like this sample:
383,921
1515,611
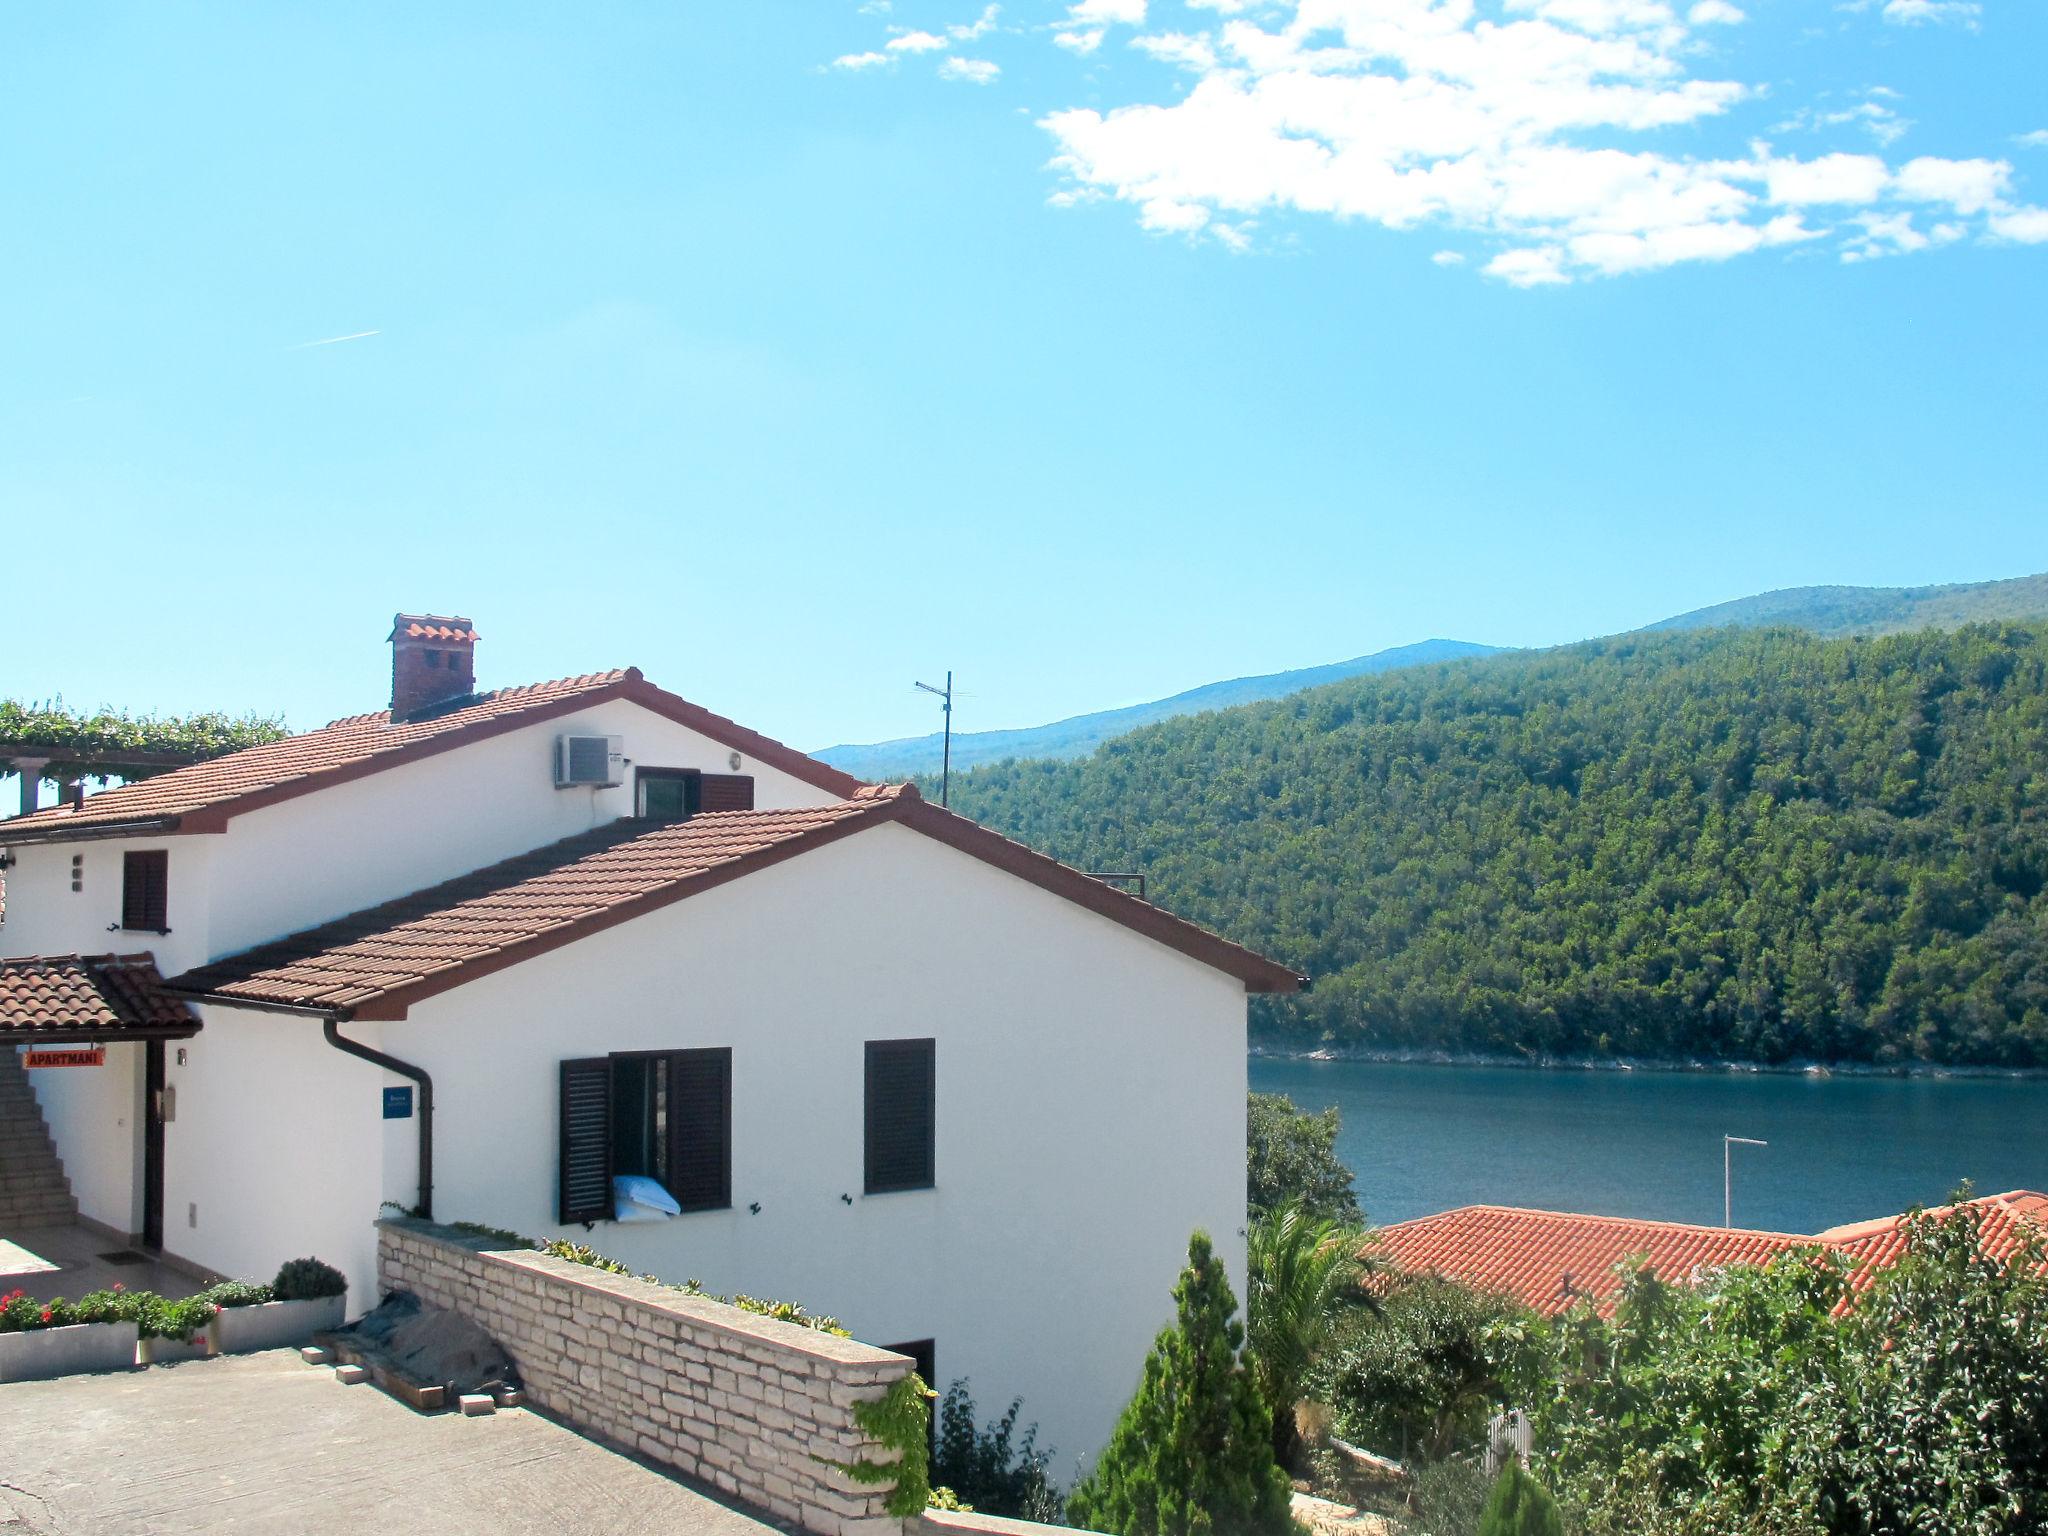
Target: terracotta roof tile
1548,1260
198,797
429,626
48,996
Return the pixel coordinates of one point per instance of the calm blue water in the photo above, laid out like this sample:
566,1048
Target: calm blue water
1648,1144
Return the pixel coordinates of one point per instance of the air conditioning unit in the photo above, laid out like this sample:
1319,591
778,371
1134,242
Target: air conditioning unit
589,762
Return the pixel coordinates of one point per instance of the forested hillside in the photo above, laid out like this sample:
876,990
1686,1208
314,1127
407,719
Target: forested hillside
1750,844
1876,610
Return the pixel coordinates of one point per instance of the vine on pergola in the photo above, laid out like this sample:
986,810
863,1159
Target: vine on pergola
92,746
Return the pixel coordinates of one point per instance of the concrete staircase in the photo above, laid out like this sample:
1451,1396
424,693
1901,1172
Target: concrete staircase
33,1189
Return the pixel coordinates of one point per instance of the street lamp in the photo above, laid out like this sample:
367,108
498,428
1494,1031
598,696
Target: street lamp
1728,1174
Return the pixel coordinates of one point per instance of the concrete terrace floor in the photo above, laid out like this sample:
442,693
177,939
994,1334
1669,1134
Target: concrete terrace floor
69,1261
265,1443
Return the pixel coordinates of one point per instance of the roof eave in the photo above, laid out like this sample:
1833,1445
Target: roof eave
99,831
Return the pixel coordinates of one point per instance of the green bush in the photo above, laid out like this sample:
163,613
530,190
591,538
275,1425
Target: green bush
1520,1506
991,1467
1193,1452
307,1280
237,1293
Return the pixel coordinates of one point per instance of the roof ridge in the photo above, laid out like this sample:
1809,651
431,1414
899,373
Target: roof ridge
1594,1216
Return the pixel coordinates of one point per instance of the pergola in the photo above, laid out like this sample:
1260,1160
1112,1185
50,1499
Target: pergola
29,759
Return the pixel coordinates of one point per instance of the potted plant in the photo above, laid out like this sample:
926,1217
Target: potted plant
174,1330
306,1298
38,1339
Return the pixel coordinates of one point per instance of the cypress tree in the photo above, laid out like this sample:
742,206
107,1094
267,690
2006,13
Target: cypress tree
1520,1506
1193,1452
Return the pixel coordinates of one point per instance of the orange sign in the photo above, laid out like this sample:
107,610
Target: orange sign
96,1057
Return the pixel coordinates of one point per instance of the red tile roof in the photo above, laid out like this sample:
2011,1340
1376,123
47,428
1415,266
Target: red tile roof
1549,1260
202,797
374,964
63,997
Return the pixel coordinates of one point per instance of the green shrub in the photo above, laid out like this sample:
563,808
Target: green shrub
1520,1506
992,1467
237,1293
158,1317
1193,1452
307,1280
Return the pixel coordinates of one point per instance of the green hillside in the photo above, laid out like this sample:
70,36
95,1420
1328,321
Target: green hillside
1079,735
1746,844
1876,610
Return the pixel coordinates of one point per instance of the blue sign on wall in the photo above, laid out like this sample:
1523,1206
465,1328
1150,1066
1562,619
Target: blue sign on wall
397,1103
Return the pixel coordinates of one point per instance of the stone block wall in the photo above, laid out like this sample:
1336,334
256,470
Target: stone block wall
752,1406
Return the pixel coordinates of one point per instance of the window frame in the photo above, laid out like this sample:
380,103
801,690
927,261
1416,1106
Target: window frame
877,1181
671,1155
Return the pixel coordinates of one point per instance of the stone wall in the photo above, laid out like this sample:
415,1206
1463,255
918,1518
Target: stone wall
752,1406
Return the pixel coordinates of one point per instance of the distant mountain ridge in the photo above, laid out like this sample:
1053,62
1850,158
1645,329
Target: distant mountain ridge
1826,611
1079,735
1874,610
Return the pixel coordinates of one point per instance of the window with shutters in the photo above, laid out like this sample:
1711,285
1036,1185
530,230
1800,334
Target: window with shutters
668,794
728,791
900,1115
145,890
666,1115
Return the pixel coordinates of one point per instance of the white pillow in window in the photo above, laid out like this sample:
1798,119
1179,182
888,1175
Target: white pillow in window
638,1189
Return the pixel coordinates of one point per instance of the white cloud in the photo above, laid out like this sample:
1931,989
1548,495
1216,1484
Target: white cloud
975,71
1968,186
2038,139
2029,226
861,60
1195,53
1129,13
1915,13
1565,139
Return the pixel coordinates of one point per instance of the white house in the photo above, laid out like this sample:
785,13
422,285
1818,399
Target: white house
485,953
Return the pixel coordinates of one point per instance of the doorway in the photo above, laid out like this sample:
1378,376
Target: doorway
153,1145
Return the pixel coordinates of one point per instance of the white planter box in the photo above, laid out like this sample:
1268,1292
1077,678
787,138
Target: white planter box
275,1324
45,1352
168,1351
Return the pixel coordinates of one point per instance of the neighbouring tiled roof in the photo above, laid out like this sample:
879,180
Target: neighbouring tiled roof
1549,1260
377,962
200,797
67,996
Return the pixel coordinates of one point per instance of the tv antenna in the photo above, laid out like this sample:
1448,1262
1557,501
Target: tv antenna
946,762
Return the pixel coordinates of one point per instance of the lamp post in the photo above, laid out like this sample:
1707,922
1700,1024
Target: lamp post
946,762
1728,1143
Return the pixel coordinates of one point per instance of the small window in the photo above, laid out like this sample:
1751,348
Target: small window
665,1115
900,1118
668,794
145,891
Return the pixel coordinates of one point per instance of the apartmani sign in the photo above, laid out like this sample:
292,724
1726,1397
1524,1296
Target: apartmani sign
96,1057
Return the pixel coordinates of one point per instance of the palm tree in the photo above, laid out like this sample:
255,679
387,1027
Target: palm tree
1306,1272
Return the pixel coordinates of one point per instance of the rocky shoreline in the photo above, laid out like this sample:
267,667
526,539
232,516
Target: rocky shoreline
1281,1051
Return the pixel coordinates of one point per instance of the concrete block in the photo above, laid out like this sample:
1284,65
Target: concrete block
312,1354
511,1397
474,1403
349,1375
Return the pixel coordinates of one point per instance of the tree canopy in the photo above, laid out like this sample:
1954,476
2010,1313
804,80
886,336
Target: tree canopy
1739,844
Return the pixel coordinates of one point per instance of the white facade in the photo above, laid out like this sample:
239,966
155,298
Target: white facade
1089,1095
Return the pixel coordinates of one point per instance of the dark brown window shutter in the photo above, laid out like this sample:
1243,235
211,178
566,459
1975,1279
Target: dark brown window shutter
700,1129
586,1174
901,1118
728,792
145,890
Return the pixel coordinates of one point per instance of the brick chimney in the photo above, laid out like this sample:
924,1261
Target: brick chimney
433,660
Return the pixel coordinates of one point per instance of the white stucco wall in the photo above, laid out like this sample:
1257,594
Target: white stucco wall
280,1145
1090,1107
95,1118
321,856
46,917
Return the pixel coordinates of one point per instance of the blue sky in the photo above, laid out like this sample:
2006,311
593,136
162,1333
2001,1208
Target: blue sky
1099,352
